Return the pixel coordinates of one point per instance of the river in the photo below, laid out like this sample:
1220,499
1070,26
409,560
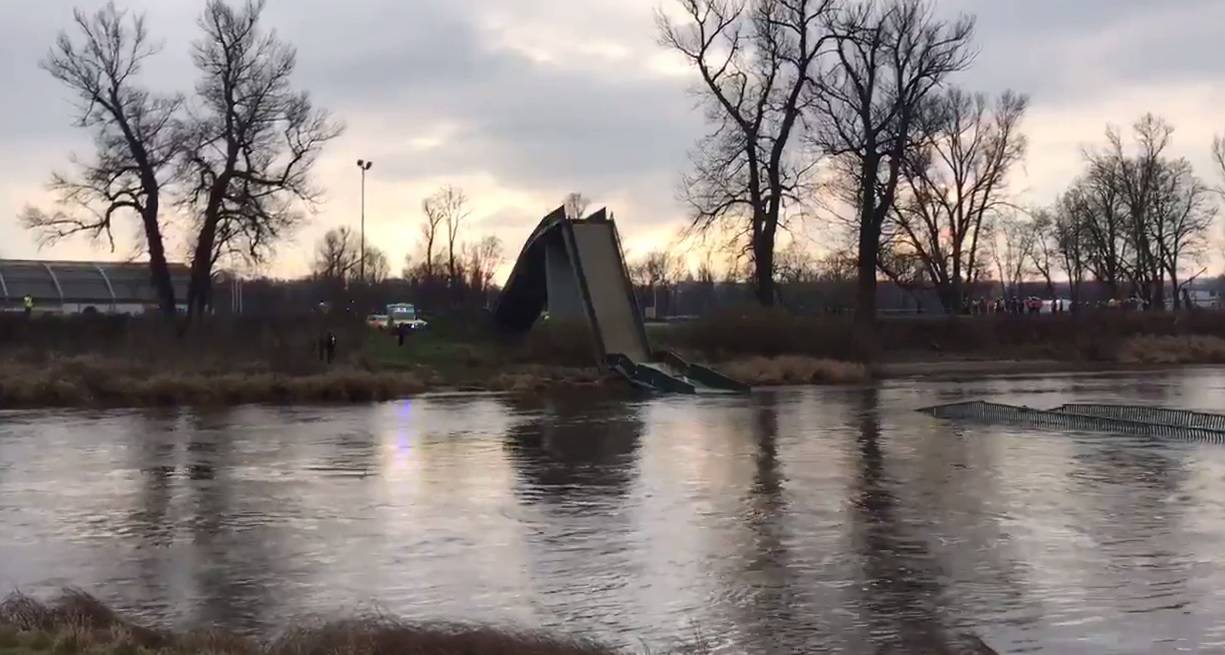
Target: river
793,520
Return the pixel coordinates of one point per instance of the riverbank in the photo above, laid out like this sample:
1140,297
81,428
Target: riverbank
75,623
117,362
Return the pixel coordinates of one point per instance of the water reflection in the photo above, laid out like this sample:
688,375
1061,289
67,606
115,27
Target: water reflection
566,453
816,520
902,583
766,563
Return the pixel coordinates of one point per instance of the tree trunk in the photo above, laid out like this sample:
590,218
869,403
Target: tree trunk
865,286
950,297
1157,294
763,271
200,286
159,272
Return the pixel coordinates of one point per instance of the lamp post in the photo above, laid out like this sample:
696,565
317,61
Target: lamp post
361,267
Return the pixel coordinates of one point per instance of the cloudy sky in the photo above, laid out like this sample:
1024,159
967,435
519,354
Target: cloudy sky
522,101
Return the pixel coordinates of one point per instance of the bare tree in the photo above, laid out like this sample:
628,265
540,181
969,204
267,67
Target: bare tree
448,207
336,255
796,264
134,131
1045,256
576,205
1143,215
483,259
409,270
252,146
755,59
434,216
889,57
1184,212
1138,179
1012,248
658,268
1070,241
377,266
1094,206
953,181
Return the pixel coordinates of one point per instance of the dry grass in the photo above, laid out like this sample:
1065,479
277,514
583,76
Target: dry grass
795,369
536,377
1091,336
1154,349
99,381
76,623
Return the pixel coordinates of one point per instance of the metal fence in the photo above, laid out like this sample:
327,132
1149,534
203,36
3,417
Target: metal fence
1118,419
1158,415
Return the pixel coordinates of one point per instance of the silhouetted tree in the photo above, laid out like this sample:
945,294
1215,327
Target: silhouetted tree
1143,215
889,56
377,267
337,255
447,207
755,59
482,260
252,144
434,217
576,205
1045,254
953,181
1012,247
1184,212
1070,241
135,135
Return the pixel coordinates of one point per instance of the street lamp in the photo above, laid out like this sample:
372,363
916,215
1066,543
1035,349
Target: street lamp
361,270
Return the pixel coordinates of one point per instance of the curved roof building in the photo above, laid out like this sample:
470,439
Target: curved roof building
73,287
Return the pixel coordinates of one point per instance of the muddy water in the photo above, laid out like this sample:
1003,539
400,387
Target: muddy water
805,520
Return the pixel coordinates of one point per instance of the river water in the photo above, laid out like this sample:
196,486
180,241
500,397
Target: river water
798,520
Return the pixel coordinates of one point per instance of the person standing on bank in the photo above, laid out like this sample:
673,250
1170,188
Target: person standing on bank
331,347
28,304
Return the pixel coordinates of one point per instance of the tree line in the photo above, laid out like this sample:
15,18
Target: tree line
846,108
447,265
233,158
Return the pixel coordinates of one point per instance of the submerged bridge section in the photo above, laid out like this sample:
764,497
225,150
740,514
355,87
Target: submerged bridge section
1117,419
575,269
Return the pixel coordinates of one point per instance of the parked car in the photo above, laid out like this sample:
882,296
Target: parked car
405,314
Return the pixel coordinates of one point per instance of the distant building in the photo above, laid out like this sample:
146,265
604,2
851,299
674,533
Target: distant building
68,287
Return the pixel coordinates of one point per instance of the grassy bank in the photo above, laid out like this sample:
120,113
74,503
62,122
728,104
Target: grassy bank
1103,336
78,624
118,361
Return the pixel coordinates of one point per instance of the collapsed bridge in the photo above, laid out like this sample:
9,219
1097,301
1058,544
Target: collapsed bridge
575,269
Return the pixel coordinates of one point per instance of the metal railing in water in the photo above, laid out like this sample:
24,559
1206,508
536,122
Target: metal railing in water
1173,417
1120,419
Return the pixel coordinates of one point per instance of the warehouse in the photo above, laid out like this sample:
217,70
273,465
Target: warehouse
69,287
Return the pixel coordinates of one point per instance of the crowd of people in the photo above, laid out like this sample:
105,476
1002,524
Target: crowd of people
1011,305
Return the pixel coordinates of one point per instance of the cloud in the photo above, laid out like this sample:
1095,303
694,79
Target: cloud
521,102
